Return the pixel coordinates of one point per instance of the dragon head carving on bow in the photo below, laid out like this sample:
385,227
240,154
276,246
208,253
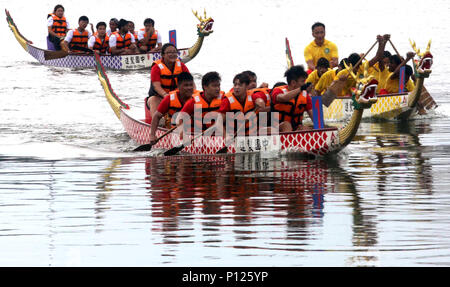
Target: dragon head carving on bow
366,87
206,24
425,61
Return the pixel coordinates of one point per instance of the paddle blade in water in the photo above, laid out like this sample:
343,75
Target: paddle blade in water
144,147
222,150
174,151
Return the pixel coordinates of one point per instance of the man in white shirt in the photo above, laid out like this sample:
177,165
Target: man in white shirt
122,42
149,38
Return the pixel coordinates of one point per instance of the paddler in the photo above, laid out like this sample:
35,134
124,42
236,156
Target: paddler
174,102
57,26
292,100
122,42
357,65
391,85
99,41
149,38
322,67
209,100
131,31
320,48
164,73
76,40
113,26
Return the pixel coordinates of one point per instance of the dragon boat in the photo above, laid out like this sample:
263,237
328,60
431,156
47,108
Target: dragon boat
400,106
119,62
317,142
397,106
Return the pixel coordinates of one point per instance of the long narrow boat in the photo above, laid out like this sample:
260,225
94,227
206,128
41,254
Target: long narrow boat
392,106
122,62
315,142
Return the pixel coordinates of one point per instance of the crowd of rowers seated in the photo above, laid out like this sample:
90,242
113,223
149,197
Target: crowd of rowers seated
202,110
384,66
120,39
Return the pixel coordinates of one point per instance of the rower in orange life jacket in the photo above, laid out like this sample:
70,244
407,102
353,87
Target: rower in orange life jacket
209,101
173,102
132,32
149,39
164,73
57,27
77,40
292,100
122,42
100,41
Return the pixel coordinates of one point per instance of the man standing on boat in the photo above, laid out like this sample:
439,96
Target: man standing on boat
122,42
76,40
174,102
320,48
164,73
149,38
292,100
57,27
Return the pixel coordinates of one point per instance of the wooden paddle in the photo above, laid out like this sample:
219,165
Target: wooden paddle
225,148
336,86
51,55
177,149
147,147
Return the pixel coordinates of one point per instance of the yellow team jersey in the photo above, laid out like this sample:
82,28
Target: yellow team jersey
313,78
325,81
381,76
391,85
328,51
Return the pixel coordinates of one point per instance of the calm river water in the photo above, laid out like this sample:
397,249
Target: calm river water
73,194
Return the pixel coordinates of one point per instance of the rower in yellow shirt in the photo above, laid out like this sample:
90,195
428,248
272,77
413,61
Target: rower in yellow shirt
391,86
381,70
358,66
327,78
320,48
321,68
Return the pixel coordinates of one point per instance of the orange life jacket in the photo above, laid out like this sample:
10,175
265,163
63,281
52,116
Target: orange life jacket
151,41
79,39
291,111
169,80
249,106
265,91
59,25
236,106
122,42
100,46
206,108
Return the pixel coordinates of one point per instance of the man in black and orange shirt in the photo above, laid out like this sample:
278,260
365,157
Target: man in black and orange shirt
292,100
77,39
173,102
